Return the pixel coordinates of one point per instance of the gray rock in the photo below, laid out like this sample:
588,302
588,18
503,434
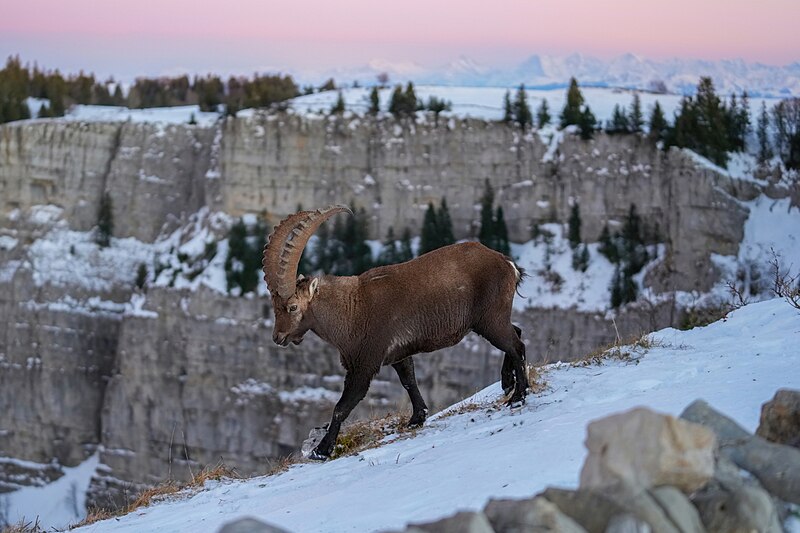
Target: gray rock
777,467
648,449
730,504
250,525
627,523
780,418
463,522
678,509
534,515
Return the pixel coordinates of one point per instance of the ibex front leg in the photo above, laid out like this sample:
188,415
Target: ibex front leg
356,385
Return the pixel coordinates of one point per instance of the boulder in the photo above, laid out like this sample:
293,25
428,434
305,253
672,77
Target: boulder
463,522
648,449
597,509
777,467
534,515
730,503
780,418
627,523
250,525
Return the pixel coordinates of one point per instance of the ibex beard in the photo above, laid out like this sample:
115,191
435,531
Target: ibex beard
390,313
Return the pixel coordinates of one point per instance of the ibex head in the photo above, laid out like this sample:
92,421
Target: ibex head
292,295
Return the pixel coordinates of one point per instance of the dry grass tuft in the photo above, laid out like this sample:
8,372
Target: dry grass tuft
160,492
283,464
24,527
628,351
366,434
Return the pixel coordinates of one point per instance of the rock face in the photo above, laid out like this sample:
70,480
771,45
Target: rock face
648,449
780,418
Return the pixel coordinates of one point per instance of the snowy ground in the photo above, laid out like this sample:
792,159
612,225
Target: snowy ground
459,462
57,504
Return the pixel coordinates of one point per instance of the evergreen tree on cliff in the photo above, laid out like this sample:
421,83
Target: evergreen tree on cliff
522,111
501,243
762,134
105,222
543,117
571,113
657,124
486,233
374,101
429,240
635,118
508,112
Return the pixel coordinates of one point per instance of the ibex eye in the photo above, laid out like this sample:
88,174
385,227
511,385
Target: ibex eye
293,308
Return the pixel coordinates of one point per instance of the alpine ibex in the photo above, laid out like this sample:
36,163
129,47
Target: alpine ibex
389,313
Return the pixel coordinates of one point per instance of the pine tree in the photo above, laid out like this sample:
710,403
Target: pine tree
320,259
486,234
635,119
580,258
619,122
508,112
237,251
571,113
587,123
762,133
743,121
44,112
501,243
543,114
338,107
105,221
445,225
374,101
405,253
607,246
522,111
657,125
430,232
141,276
389,252
192,120
574,225
396,102
616,288
412,105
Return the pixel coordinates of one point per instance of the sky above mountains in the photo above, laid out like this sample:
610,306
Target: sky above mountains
154,37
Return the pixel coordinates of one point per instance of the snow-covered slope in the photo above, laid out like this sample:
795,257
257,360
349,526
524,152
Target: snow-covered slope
460,461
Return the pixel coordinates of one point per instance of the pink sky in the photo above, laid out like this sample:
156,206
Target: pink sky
163,36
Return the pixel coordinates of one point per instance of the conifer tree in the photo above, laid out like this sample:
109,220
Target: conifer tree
587,123
508,112
429,239
571,114
616,288
390,252
636,119
338,107
44,112
607,247
522,111
445,225
192,120
501,243
762,133
657,125
374,101
396,102
543,114
574,225
619,122
320,259
486,234
405,252
105,221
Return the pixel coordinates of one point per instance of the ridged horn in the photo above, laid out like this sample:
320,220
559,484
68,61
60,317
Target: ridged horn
285,247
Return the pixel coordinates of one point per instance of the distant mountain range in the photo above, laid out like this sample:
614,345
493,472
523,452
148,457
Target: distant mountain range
627,71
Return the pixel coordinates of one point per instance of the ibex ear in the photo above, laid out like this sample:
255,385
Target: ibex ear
313,287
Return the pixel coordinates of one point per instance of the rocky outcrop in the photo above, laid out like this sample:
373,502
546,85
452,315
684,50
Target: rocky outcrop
638,496
780,418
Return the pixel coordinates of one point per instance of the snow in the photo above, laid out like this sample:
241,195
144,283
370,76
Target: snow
551,280
164,115
57,504
460,461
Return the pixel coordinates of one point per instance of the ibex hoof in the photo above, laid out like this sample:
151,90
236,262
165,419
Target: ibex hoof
518,400
316,456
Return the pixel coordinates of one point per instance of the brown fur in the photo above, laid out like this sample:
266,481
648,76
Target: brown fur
389,313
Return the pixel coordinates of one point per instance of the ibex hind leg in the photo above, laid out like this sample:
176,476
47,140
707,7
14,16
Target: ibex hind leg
405,371
506,339
507,373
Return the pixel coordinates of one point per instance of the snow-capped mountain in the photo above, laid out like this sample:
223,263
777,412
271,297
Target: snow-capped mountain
628,71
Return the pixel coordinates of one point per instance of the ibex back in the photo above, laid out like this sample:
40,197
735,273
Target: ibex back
387,314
